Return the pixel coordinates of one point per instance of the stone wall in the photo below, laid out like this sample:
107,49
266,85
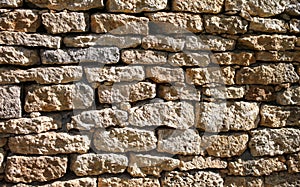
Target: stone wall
142,93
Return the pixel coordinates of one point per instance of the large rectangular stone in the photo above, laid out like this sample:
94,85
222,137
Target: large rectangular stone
204,6
163,43
126,182
268,25
232,58
179,91
67,4
199,162
18,56
189,59
133,6
225,24
277,56
161,74
209,43
146,57
289,96
10,102
221,92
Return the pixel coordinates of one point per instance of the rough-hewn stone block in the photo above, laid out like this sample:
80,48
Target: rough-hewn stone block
69,4
200,162
163,43
277,56
260,93
230,58
290,96
282,180
18,56
161,74
268,25
189,59
136,6
10,102
147,57
179,91
11,3
243,181
125,182
295,26
204,6
293,163
222,92
209,42
225,24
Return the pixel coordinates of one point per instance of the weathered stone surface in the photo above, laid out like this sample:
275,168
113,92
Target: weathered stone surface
119,24
161,74
96,164
267,74
258,167
230,58
243,181
163,42
261,8
30,169
10,103
58,97
178,115
200,162
18,56
11,3
209,42
171,22
274,141
115,74
28,125
268,25
31,40
69,4
189,59
102,40
142,165
293,163
290,96
204,6
2,155
201,76
260,93
20,20
295,26
215,117
135,6
69,182
277,56
138,56
225,145
63,22
184,142
282,180
50,143
179,91
225,24
268,42
225,92
293,8
126,92
125,182
124,140
278,116
205,178
98,119
101,55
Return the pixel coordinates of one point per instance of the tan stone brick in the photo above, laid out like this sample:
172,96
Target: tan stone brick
209,42
10,103
200,162
163,43
243,181
135,6
18,56
11,4
189,59
231,58
147,57
290,96
165,75
268,25
179,91
125,182
69,4
204,6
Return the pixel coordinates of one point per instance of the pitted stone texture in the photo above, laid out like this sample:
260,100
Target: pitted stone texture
11,3
64,22
136,6
163,43
225,145
31,40
124,140
290,96
209,42
282,180
260,93
189,59
50,143
115,74
18,56
277,56
10,103
96,164
215,117
102,40
179,115
143,165
225,24
99,55
69,4
232,58
267,74
261,8
295,26
272,142
243,181
119,24
279,116
183,142
202,76
28,125
146,57
196,178
204,6
268,25
268,42
104,118
179,91
171,22
30,169
21,20
164,74
126,182
2,156
132,92
58,97
236,92
258,167
200,162
293,9
293,163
